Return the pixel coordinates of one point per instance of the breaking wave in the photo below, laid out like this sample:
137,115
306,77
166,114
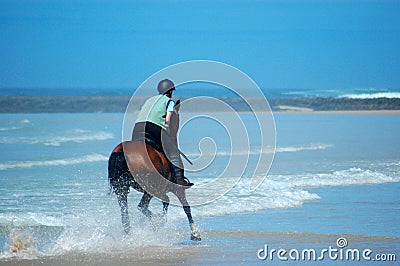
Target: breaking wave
376,95
9,128
351,176
56,139
90,158
288,191
305,147
295,148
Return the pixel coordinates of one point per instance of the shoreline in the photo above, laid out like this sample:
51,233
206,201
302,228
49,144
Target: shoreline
118,104
222,247
343,112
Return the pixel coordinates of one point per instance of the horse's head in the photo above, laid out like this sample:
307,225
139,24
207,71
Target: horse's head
177,105
174,122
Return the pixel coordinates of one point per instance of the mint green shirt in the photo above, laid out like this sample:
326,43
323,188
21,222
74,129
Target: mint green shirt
155,109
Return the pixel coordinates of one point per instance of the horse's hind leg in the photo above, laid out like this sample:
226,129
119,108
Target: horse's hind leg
122,197
119,178
144,205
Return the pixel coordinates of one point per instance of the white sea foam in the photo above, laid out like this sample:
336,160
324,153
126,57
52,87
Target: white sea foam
351,176
252,151
372,95
287,191
90,158
56,139
22,219
240,200
304,147
9,128
78,136
105,236
97,232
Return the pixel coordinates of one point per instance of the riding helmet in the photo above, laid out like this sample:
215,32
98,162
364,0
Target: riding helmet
165,85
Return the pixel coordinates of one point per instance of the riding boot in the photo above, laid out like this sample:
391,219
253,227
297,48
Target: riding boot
174,156
180,178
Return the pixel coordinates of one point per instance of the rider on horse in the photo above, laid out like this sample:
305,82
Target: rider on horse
154,119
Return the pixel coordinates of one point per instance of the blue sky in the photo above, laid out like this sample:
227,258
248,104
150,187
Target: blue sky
280,44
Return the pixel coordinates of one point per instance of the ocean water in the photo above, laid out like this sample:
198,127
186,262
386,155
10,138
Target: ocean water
331,174
201,89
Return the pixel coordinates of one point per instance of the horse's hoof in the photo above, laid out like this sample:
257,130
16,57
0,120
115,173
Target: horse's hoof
195,237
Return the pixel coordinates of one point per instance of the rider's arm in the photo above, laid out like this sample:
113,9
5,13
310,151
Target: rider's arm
170,110
168,117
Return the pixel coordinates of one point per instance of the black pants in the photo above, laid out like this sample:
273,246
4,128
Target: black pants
162,139
147,127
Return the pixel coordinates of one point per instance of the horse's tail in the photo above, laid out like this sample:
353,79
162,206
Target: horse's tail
118,172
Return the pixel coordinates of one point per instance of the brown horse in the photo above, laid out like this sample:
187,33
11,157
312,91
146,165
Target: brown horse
139,165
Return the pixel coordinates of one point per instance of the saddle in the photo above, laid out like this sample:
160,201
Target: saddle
148,139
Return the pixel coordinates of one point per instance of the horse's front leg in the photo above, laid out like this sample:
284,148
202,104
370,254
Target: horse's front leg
165,203
144,205
195,234
122,197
